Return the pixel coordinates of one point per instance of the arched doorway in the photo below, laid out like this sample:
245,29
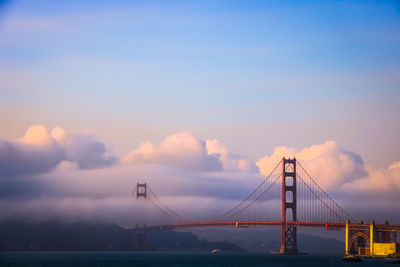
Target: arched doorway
359,240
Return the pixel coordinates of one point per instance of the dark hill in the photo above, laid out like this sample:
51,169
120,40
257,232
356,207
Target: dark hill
54,235
269,239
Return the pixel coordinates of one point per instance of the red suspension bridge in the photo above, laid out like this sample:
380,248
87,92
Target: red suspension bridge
287,198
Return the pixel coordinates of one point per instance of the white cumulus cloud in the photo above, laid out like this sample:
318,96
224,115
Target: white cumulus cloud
230,161
328,163
182,150
384,181
40,151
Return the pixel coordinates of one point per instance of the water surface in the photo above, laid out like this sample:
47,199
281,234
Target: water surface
105,259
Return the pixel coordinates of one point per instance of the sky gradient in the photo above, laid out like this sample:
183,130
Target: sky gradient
294,73
220,87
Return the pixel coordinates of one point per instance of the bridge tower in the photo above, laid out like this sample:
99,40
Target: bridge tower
141,190
289,204
139,233
139,238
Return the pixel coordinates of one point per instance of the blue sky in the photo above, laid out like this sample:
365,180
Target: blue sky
253,74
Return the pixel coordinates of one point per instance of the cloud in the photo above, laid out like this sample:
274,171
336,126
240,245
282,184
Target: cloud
37,135
84,149
184,170
345,176
67,165
181,150
379,181
39,151
36,152
73,194
185,151
55,174
394,166
328,163
230,161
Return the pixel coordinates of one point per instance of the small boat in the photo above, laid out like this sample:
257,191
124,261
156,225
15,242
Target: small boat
215,250
351,258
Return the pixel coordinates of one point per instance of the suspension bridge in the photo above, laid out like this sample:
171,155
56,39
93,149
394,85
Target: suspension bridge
289,198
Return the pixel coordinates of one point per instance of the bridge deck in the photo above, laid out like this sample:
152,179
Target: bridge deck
326,225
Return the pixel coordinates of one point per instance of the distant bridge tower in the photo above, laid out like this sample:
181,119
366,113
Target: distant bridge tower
141,190
289,233
139,233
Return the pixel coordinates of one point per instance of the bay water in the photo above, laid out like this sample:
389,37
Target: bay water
124,258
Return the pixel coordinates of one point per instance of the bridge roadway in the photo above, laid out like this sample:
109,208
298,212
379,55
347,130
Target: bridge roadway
326,225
